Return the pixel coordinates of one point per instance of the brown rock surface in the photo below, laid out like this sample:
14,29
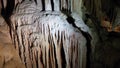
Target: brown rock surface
8,54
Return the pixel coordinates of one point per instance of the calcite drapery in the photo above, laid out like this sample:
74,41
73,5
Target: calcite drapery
45,39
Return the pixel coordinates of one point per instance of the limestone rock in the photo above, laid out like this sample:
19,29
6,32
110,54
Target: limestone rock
45,39
8,55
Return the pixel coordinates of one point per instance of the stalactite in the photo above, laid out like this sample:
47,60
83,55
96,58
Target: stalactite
56,5
64,4
39,4
76,7
45,39
48,5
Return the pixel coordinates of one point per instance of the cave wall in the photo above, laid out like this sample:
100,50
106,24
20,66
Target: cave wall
105,15
8,55
102,17
35,40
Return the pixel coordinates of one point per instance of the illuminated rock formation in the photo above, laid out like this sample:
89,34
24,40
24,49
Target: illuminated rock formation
46,38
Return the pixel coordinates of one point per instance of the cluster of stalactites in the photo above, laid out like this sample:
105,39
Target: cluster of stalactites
54,5
47,40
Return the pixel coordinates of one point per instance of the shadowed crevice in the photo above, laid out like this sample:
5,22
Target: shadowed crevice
43,5
52,4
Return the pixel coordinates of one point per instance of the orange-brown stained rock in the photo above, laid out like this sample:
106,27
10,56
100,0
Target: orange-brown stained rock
8,55
117,29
